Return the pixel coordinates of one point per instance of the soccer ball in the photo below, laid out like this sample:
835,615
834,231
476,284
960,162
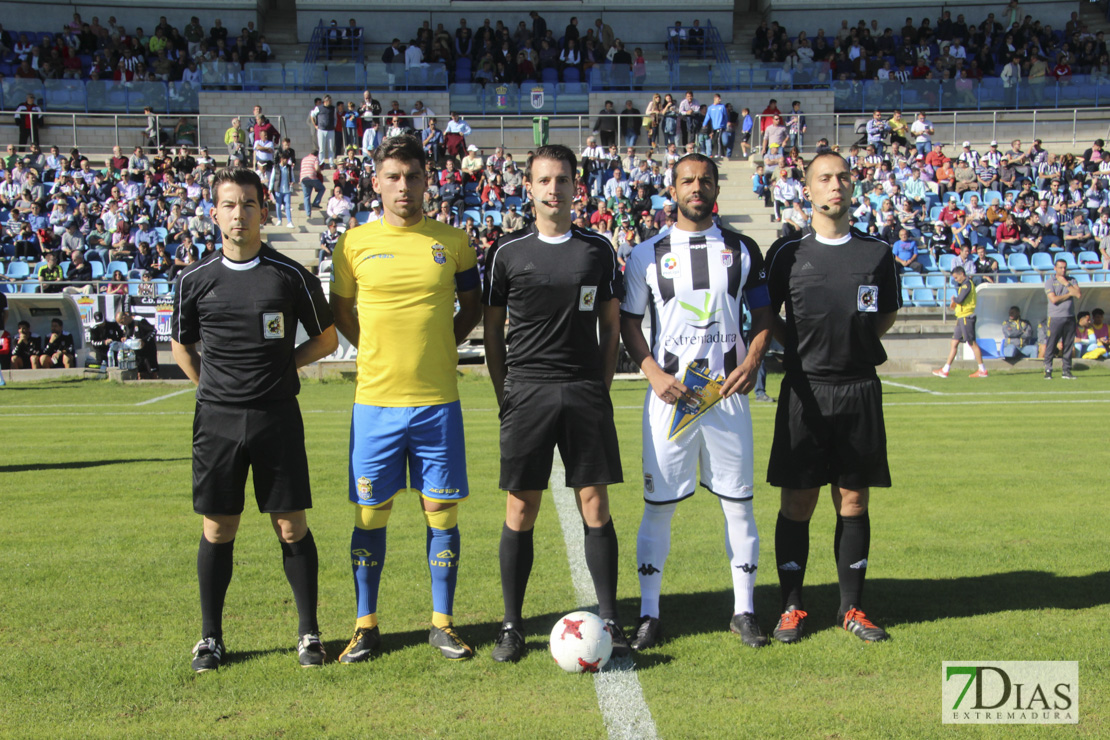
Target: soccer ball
580,643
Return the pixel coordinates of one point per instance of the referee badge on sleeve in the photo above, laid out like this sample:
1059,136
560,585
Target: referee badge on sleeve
587,296
868,298
273,325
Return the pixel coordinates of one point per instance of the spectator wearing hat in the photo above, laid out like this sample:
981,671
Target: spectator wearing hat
375,211
512,221
472,164
101,336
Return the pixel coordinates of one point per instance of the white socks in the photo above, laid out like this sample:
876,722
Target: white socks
653,544
742,547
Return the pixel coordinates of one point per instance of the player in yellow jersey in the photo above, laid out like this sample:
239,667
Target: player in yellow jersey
394,283
963,304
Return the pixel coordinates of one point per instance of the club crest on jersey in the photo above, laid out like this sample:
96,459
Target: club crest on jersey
365,488
273,325
726,258
587,295
868,298
439,254
668,266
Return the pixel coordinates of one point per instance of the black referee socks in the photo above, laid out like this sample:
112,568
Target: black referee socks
791,555
601,559
516,554
214,575
302,571
852,543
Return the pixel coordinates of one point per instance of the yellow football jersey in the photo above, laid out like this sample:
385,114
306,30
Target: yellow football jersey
404,283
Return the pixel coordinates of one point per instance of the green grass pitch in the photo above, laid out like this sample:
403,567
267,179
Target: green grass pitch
990,546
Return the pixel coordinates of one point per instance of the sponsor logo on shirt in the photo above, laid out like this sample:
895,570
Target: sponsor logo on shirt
273,325
868,298
587,295
668,266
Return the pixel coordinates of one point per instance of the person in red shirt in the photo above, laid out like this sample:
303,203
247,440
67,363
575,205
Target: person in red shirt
936,157
602,218
28,116
1062,70
769,114
1007,236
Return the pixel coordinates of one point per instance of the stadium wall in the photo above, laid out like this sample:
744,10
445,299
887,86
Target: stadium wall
36,15
634,21
808,15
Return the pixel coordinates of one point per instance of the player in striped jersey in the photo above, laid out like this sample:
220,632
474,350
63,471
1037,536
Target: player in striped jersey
692,279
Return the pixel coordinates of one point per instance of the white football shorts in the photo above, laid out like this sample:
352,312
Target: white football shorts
720,440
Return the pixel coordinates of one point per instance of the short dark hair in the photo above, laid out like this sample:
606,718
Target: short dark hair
241,176
1081,314
823,155
699,157
1064,261
958,271
405,148
557,152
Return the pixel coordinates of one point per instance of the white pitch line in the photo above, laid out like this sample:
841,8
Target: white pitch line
619,695
913,388
163,398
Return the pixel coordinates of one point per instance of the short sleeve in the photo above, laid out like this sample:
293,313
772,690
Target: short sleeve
611,283
465,256
890,292
496,290
343,281
755,290
1048,286
313,310
635,302
184,322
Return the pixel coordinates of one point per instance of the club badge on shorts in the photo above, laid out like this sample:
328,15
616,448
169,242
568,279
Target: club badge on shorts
365,488
273,325
439,254
587,296
868,298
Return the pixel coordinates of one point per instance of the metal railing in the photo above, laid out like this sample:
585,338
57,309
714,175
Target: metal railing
1064,127
129,130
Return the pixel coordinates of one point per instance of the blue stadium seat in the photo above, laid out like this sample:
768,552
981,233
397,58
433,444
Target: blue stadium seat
1081,277
1088,256
550,75
1067,257
97,269
924,297
363,217
946,262
1031,278
912,281
657,202
162,287
907,297
935,281
513,200
18,270
473,213
117,265
926,260
572,75
29,286
934,212
1019,263
1041,262
496,216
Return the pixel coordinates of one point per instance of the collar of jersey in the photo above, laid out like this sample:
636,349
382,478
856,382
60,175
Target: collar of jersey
390,227
833,242
240,266
561,239
692,234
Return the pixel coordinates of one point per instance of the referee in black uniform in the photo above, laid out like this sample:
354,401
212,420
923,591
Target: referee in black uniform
561,287
243,305
841,292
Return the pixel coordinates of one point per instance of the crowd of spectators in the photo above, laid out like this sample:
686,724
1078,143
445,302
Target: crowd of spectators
1014,47
114,51
1007,200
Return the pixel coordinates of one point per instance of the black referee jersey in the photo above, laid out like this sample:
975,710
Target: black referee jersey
834,293
245,314
552,288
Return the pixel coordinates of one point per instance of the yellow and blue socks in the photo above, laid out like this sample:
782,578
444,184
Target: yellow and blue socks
367,558
443,562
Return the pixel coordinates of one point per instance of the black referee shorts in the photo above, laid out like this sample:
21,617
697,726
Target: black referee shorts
268,439
575,416
829,433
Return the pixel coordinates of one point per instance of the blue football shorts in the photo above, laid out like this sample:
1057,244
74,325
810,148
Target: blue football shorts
428,438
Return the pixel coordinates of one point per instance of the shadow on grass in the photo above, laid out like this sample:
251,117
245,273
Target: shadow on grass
892,601
80,464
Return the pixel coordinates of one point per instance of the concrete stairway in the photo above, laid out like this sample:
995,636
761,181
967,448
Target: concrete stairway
300,242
